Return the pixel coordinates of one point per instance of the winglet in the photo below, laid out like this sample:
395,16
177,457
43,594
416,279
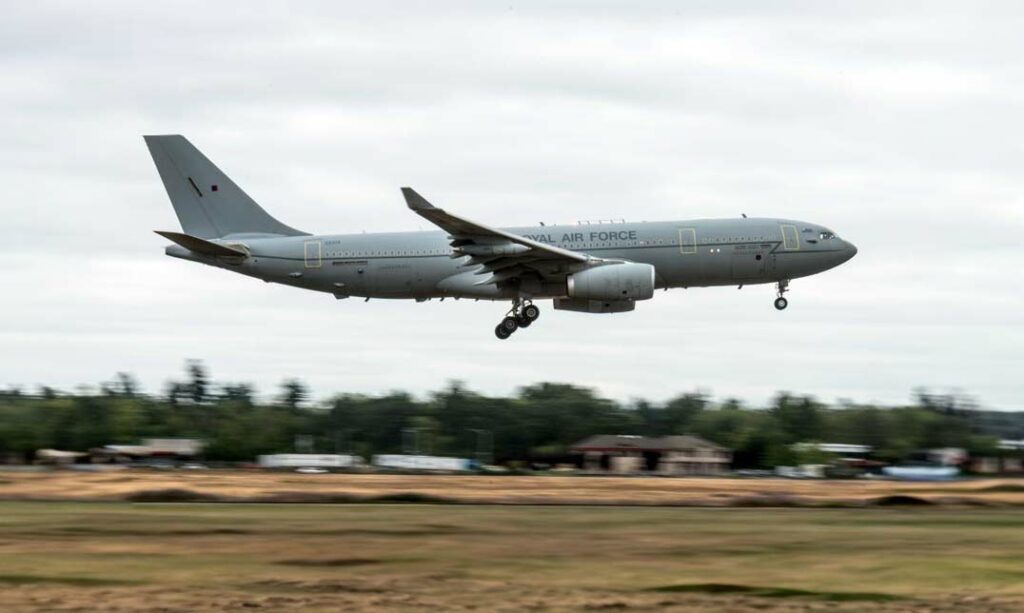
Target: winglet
415,201
198,245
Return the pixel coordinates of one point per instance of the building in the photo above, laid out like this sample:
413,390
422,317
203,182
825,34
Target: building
422,462
666,455
151,450
309,460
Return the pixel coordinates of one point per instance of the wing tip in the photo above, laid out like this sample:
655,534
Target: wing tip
415,201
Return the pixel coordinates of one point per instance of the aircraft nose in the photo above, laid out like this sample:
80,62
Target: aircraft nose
851,250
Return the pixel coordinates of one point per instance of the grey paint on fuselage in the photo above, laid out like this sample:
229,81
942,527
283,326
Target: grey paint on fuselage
589,268
691,253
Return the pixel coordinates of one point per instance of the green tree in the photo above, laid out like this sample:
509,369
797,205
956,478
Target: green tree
293,393
198,381
799,419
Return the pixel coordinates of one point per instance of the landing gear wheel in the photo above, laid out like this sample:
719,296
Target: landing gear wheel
780,302
521,315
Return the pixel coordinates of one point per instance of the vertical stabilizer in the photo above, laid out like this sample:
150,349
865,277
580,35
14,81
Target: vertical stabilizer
207,202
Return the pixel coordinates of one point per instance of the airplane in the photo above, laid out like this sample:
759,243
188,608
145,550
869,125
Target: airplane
600,267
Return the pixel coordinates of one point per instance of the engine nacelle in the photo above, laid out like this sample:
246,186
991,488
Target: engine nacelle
583,305
613,282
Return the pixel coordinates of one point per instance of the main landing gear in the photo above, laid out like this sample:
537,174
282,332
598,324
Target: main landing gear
781,302
522,315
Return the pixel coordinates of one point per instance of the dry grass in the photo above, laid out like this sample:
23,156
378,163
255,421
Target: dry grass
290,487
194,557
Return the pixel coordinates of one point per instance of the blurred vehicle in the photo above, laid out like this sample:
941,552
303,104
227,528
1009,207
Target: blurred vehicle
157,464
921,472
491,468
804,471
317,460
422,462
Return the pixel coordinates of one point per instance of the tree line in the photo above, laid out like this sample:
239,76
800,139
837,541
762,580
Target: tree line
539,423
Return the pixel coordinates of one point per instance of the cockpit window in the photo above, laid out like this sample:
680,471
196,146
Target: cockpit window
825,235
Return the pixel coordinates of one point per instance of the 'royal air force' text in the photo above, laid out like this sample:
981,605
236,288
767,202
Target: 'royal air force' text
580,237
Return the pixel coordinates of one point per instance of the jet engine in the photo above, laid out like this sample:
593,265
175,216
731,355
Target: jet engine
612,282
583,305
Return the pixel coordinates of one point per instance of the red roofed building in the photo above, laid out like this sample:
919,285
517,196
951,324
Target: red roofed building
666,455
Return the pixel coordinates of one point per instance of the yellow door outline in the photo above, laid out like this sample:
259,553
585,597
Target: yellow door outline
313,252
790,238
687,241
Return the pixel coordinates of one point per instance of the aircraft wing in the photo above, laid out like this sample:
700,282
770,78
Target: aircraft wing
501,253
459,227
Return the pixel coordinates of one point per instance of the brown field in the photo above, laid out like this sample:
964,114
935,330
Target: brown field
117,556
258,486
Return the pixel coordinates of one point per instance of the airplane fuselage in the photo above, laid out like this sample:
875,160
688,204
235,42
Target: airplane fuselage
586,268
419,265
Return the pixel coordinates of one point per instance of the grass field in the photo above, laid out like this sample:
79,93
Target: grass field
188,557
262,486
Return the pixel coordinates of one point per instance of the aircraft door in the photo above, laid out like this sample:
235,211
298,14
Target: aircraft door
790,238
688,271
688,241
313,252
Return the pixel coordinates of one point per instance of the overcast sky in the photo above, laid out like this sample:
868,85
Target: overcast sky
898,125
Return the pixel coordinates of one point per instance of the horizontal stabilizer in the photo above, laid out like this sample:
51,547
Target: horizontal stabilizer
199,245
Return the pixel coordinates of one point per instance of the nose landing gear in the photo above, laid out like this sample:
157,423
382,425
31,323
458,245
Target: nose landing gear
781,302
522,314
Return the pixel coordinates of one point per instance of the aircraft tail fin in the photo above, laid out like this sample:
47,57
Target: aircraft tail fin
207,202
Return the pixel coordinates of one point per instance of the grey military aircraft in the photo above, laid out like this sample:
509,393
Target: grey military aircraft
588,267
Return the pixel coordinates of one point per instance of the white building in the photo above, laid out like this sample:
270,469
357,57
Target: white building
309,460
421,462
